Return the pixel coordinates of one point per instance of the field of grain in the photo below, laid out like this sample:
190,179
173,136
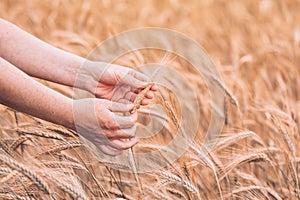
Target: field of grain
255,45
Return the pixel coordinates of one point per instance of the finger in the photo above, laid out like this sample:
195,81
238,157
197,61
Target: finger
130,131
125,122
137,90
130,96
149,95
119,91
139,76
121,133
136,79
120,107
135,83
154,87
109,150
124,101
124,144
145,102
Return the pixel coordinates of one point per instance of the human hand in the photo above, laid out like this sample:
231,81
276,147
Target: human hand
116,83
102,123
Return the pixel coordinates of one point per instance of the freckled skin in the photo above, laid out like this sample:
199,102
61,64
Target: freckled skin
22,56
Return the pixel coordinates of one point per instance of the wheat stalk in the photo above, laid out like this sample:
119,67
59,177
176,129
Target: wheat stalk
236,137
70,189
63,164
255,187
176,193
5,170
172,113
27,172
251,157
157,194
287,138
10,176
62,131
12,196
62,146
120,194
134,169
139,98
171,178
5,148
40,133
115,165
233,100
204,158
20,140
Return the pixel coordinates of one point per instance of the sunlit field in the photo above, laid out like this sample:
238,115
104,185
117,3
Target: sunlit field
255,46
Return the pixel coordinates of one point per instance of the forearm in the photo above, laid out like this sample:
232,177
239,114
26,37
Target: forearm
21,92
37,58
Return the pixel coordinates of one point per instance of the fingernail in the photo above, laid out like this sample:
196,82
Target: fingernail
154,87
150,94
145,102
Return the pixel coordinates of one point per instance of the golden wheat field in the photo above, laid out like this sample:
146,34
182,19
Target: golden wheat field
255,45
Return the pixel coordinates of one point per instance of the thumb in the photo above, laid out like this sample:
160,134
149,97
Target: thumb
134,82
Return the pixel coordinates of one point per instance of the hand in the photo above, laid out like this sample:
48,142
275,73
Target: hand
100,121
117,83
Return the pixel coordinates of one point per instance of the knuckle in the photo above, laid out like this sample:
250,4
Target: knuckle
122,134
110,122
106,123
105,103
122,146
110,133
114,124
107,133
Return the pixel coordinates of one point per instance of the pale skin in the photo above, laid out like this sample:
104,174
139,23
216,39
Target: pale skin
23,56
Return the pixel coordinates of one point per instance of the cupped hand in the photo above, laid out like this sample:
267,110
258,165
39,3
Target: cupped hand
117,83
105,124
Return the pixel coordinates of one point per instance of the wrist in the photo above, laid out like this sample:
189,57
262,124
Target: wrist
87,77
68,119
